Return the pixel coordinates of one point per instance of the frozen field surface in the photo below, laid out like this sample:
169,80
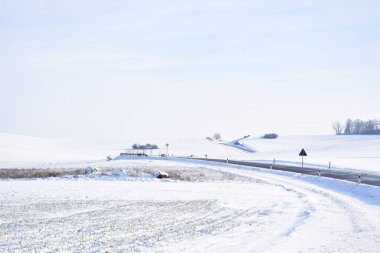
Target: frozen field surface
50,215
247,211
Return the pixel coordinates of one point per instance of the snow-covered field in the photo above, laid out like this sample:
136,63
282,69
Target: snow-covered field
344,152
270,212
203,207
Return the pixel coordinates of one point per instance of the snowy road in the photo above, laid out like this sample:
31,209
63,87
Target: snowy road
351,176
279,212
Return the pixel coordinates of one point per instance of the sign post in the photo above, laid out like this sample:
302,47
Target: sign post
303,153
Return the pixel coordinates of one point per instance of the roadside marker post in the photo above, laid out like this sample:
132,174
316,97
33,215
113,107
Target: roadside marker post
329,165
319,173
274,161
359,179
167,147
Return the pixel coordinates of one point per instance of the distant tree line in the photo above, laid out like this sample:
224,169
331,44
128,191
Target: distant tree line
357,127
146,146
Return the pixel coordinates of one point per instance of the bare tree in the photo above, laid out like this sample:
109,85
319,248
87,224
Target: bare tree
357,127
349,127
371,127
217,137
338,127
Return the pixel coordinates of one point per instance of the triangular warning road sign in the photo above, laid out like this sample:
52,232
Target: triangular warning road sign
303,153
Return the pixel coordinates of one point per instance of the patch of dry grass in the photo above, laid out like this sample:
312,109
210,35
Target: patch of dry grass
38,173
190,174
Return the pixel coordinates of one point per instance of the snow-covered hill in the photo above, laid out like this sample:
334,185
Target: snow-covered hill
344,152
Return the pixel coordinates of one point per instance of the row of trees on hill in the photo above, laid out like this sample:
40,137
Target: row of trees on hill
146,146
356,127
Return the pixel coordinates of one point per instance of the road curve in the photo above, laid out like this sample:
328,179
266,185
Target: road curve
363,178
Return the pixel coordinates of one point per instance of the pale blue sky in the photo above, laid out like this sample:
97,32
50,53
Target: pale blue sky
109,69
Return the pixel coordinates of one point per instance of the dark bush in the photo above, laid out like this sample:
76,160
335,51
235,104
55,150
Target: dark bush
270,136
